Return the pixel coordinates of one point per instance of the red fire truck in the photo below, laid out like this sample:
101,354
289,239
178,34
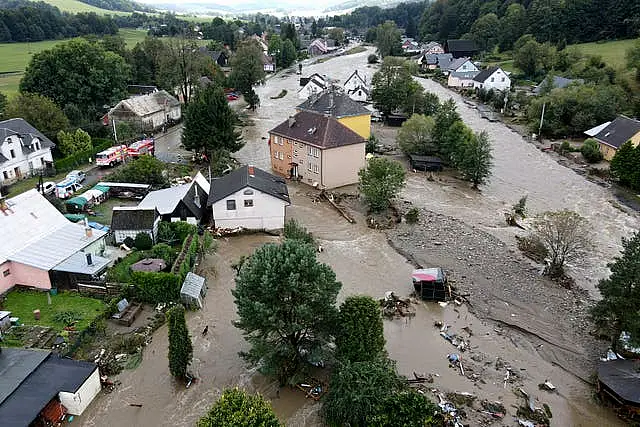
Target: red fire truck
139,148
112,156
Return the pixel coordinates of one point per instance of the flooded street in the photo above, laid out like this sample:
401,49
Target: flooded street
365,263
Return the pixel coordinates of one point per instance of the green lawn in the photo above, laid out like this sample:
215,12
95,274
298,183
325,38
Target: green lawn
75,6
613,52
104,211
22,303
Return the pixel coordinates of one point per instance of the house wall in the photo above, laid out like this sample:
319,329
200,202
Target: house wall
340,165
280,151
466,67
500,82
309,159
459,82
309,89
120,235
358,95
359,124
22,274
267,212
26,163
354,82
6,282
434,50
608,151
77,402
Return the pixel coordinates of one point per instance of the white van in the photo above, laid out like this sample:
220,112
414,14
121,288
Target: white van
66,188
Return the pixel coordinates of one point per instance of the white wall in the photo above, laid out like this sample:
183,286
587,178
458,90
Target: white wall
267,212
501,81
466,67
355,81
77,402
21,160
460,82
308,89
359,95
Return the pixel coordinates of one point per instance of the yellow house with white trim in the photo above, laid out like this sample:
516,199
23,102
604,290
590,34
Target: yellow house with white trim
335,103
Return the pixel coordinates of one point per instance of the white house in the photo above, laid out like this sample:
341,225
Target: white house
462,79
360,93
23,150
355,81
462,65
268,63
432,48
315,85
150,111
250,198
492,78
128,221
185,202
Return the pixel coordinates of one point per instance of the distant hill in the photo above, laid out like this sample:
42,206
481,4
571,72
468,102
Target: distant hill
353,4
121,5
75,6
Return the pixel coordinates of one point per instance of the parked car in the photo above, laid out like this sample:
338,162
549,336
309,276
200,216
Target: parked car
47,187
79,176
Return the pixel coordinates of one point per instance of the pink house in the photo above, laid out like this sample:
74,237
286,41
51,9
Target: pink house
41,248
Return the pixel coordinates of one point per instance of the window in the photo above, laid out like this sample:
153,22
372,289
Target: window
42,161
248,203
309,150
275,154
309,167
5,174
493,79
503,79
281,155
13,154
316,169
248,192
6,273
231,205
280,141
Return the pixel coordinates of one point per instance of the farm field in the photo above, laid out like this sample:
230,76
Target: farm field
613,52
75,6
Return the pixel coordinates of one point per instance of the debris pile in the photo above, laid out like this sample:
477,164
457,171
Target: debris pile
395,307
457,341
313,388
529,414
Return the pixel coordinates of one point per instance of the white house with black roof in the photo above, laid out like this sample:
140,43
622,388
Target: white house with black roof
492,78
186,202
23,150
249,198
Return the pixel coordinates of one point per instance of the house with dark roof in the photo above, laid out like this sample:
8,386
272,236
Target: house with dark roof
24,151
268,63
249,198
38,387
128,221
314,85
431,61
218,56
461,48
41,248
492,78
150,111
555,82
334,102
317,149
186,202
619,131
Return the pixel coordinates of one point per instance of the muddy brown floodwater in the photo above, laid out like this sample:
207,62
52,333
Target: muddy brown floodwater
366,264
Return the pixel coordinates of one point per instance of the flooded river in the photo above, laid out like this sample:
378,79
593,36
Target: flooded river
366,264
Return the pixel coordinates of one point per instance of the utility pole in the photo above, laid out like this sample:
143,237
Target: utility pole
541,121
115,134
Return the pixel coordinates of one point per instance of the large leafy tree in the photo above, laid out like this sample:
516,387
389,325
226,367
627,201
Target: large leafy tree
416,136
485,31
361,334
392,85
380,182
617,311
289,54
145,59
180,348
237,408
388,39
77,72
372,393
145,170
73,142
625,165
247,66
453,142
512,25
286,307
39,111
209,123
475,159
181,65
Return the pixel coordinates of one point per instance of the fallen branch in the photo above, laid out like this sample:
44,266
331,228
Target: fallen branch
342,212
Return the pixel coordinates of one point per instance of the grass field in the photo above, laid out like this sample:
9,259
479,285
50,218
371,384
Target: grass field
75,6
16,57
22,303
613,53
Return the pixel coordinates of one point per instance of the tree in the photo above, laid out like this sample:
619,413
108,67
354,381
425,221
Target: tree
209,123
526,55
39,111
512,26
625,165
252,99
145,59
289,54
180,348
420,101
380,182
144,170
275,48
412,28
295,231
73,142
416,136
617,311
591,151
181,65
485,31
372,59
361,334
286,308
475,160
77,72
143,242
633,58
237,408
391,85
247,67
388,39
565,234
453,142
372,393
336,34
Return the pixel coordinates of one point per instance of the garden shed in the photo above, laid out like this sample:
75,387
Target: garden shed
430,283
193,290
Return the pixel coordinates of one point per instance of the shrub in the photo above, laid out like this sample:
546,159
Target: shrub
371,145
143,241
129,242
591,151
520,208
155,288
66,317
165,252
372,59
236,407
295,231
412,215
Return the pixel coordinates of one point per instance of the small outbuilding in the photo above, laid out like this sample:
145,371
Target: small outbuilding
193,290
430,283
425,163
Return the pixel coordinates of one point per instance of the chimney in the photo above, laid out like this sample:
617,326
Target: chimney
292,121
88,231
89,260
251,171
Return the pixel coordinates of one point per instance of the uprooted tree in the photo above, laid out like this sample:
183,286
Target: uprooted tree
565,234
286,303
617,311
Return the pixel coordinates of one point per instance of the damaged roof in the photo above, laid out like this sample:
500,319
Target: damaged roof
334,103
248,176
144,105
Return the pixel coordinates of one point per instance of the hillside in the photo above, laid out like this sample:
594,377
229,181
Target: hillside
75,6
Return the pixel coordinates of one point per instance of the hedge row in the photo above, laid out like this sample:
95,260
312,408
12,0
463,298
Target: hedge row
82,157
187,257
154,288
